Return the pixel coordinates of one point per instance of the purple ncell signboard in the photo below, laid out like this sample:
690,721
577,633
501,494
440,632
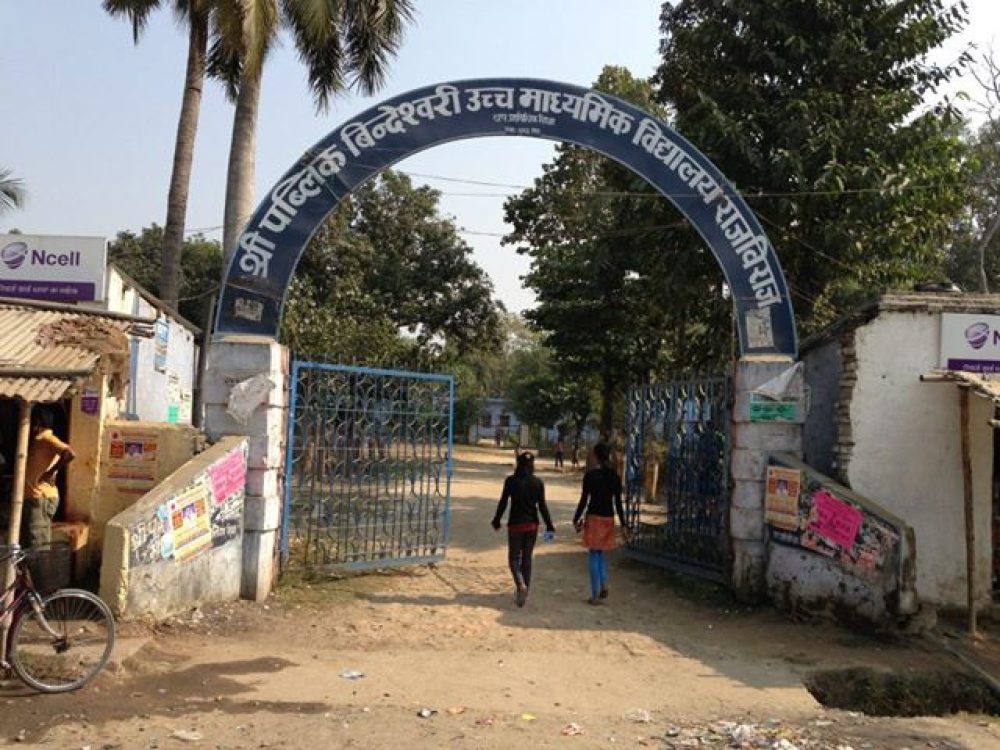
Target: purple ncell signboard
58,269
970,342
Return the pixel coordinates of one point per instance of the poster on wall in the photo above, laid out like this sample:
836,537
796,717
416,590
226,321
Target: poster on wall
132,460
190,522
827,523
781,501
90,401
227,477
161,343
970,343
184,411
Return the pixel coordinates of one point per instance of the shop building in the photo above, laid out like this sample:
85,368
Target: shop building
886,418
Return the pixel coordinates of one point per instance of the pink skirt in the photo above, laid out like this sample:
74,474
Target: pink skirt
599,532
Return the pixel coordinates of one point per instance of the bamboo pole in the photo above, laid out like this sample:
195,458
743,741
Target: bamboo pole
970,525
16,506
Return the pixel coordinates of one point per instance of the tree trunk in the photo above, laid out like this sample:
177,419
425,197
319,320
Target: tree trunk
607,405
180,179
242,163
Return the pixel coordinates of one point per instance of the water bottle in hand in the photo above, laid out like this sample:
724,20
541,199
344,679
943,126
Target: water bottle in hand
549,536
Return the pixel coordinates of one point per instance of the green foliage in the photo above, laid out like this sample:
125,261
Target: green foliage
979,224
139,256
485,371
624,287
815,101
387,281
542,395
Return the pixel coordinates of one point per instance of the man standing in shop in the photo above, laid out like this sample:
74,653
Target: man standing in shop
47,454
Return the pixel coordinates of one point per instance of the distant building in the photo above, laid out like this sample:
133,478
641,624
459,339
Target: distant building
497,419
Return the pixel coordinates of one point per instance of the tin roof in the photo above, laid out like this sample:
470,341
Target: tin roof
46,350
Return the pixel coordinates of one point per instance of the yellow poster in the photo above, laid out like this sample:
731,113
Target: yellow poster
781,501
190,522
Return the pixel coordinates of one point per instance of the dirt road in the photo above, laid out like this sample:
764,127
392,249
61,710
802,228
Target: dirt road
558,673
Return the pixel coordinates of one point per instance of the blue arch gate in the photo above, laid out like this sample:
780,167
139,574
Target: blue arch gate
677,474
368,467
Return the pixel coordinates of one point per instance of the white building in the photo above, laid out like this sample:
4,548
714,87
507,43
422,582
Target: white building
885,421
163,369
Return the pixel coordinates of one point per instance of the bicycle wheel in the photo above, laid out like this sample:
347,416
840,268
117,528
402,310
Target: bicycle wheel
64,648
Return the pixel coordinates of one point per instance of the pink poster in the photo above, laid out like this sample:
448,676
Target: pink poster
228,476
835,520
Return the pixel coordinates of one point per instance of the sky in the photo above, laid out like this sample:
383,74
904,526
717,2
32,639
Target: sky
89,119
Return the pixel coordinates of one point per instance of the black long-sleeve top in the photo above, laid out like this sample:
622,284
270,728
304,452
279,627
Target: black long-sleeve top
601,488
527,498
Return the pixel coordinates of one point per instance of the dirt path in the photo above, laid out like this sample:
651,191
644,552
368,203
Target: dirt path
450,639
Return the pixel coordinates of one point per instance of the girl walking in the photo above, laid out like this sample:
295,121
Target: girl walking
526,494
600,499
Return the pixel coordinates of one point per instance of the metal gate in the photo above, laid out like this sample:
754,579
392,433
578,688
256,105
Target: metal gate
368,467
677,474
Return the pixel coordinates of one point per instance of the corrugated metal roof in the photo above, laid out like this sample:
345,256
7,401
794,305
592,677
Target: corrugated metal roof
984,385
39,343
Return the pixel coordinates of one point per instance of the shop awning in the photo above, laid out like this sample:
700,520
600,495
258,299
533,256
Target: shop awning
46,349
987,386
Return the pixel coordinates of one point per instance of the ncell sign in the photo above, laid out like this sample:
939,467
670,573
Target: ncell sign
970,342
62,269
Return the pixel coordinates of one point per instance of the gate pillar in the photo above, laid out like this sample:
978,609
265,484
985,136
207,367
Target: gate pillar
230,361
753,437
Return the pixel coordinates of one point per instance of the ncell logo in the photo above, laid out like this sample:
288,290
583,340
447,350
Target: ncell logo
977,335
14,254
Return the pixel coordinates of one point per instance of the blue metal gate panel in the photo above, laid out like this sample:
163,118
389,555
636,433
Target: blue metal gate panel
677,474
368,467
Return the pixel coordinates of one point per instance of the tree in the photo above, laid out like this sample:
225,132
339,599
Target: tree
344,44
974,256
194,14
543,395
483,371
985,207
11,191
828,109
625,289
139,256
386,262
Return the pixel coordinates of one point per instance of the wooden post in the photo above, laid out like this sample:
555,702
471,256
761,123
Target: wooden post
970,521
16,504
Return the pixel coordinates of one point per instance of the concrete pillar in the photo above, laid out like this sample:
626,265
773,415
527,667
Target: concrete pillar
751,441
232,360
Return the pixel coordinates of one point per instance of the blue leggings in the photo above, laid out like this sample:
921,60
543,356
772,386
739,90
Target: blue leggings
598,565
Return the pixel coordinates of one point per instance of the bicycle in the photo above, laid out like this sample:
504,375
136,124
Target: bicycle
56,642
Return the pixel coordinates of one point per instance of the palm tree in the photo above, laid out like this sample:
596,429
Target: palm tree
11,191
195,15
344,44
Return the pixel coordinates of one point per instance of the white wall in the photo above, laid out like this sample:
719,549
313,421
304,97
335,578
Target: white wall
907,453
152,392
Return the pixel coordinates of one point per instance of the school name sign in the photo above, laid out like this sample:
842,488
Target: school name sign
278,232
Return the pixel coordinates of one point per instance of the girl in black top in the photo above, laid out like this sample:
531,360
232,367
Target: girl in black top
526,494
601,488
